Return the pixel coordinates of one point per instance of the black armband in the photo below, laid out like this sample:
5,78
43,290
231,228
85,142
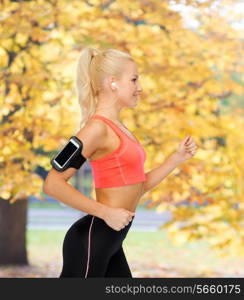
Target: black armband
69,156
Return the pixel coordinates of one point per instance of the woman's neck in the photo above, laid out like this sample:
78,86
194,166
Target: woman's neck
114,117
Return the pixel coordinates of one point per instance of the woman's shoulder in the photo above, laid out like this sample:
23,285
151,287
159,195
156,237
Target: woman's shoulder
97,124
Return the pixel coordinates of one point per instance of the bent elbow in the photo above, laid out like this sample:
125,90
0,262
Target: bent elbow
47,184
52,186
45,188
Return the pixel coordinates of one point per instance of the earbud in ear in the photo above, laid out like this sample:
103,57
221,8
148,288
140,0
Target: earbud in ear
113,84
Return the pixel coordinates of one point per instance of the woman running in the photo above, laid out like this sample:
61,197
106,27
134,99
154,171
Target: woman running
107,81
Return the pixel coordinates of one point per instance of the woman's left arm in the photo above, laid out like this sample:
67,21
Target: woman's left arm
186,150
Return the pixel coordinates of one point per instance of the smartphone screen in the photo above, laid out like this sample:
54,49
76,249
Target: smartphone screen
65,154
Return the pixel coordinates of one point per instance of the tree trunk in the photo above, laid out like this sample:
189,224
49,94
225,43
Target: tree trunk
13,220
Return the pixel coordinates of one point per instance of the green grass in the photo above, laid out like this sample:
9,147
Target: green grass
45,237
44,204
147,252
157,249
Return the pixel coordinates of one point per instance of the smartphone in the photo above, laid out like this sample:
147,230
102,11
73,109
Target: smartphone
62,159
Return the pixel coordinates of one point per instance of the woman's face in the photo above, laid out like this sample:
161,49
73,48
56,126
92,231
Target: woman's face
128,86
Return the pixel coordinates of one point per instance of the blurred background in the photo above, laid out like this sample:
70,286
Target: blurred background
190,61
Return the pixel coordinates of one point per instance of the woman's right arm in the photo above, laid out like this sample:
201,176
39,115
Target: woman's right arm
56,183
66,193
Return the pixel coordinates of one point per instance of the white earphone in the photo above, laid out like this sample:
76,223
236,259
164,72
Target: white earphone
113,84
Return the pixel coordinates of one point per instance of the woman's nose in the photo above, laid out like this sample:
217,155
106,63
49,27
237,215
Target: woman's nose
139,89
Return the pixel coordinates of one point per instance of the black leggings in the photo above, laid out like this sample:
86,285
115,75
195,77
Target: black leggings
91,248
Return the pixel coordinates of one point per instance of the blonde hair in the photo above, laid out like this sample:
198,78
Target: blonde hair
93,67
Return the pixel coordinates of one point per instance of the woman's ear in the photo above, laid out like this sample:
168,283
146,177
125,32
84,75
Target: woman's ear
113,84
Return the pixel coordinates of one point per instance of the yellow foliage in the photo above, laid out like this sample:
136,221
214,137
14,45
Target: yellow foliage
185,76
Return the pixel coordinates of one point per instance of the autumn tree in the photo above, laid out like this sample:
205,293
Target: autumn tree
37,114
185,74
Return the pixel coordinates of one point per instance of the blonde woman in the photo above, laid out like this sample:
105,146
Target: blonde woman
107,81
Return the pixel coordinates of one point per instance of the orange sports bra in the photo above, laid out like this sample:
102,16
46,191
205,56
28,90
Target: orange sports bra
123,166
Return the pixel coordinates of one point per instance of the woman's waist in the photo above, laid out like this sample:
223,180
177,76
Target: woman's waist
124,197
118,202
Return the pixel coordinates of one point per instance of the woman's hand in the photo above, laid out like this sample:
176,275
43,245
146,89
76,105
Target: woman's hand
118,218
186,149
